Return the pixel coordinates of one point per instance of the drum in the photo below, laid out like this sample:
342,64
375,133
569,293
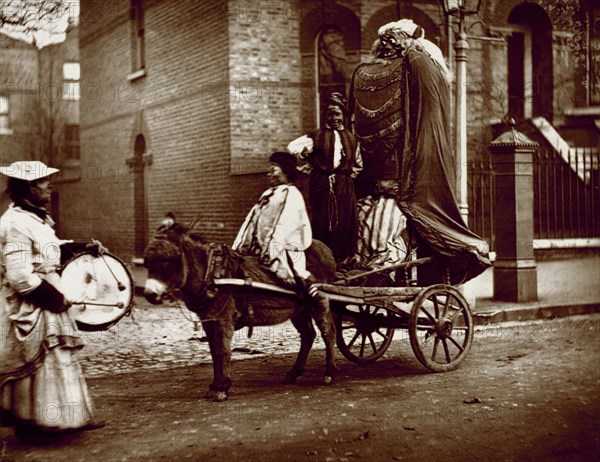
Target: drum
101,289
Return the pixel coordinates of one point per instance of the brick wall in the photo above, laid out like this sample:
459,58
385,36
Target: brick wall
186,133
186,50
265,69
97,202
226,83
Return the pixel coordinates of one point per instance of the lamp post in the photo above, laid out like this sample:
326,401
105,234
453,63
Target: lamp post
460,9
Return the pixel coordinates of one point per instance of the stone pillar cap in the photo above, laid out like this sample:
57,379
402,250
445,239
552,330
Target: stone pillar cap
514,138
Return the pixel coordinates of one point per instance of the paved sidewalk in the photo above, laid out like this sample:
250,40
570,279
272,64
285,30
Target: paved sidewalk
566,286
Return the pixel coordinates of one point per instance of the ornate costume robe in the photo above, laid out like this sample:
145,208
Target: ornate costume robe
401,110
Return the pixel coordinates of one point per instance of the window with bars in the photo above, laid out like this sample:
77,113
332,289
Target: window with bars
71,142
71,77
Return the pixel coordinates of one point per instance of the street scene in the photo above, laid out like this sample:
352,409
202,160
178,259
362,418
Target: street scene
532,383
322,230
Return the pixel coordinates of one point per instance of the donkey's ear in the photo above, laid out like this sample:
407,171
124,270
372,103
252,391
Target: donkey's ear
169,219
194,222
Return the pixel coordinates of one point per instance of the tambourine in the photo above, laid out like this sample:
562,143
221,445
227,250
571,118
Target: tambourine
101,289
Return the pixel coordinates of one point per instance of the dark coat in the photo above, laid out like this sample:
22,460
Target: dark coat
334,219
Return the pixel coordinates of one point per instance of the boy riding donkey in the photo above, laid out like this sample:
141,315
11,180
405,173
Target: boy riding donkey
277,229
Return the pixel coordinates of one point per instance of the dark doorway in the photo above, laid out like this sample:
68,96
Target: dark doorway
530,81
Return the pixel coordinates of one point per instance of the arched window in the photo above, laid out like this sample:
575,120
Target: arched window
330,47
333,69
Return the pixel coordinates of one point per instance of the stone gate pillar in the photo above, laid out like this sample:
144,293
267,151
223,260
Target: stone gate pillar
515,269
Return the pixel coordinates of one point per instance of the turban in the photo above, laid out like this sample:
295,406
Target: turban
337,99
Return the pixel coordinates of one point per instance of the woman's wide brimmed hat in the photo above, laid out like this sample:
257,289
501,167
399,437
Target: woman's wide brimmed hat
286,161
28,170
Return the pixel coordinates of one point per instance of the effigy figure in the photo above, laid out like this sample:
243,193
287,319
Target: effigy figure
400,103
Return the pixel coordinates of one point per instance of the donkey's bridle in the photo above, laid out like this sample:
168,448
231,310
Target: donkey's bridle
172,258
215,258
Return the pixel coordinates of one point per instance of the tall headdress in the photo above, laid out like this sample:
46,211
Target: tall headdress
416,34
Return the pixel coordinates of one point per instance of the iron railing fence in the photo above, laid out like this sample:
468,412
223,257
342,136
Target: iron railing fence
481,200
566,188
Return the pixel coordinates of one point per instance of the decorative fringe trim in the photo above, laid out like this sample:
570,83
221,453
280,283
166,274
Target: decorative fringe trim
386,131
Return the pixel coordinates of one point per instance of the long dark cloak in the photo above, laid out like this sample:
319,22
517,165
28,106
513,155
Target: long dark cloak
334,219
426,167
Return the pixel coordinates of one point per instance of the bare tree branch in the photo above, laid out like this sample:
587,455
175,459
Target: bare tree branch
28,16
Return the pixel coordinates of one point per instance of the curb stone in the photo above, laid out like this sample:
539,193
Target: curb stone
533,313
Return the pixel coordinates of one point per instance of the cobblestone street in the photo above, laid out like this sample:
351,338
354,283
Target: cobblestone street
161,337
165,336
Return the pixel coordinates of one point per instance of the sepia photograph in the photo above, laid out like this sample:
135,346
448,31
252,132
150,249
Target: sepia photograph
299,230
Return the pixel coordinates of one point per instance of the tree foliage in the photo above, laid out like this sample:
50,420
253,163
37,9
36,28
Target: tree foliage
571,16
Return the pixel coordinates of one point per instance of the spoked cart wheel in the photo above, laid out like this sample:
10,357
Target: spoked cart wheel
363,335
440,328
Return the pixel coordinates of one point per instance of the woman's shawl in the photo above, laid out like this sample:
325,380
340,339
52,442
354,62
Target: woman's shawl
29,253
277,226
418,121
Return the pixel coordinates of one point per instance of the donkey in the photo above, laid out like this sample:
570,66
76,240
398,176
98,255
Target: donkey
180,264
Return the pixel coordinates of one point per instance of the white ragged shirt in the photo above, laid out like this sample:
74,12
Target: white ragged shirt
303,146
278,226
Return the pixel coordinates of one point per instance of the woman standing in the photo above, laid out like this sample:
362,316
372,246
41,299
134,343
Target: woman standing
42,388
332,158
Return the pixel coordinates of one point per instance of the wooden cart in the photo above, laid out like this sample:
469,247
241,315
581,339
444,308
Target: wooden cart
438,318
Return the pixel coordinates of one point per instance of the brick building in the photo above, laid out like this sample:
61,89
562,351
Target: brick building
40,104
181,102
18,82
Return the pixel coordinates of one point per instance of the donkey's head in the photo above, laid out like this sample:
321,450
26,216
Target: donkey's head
166,260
